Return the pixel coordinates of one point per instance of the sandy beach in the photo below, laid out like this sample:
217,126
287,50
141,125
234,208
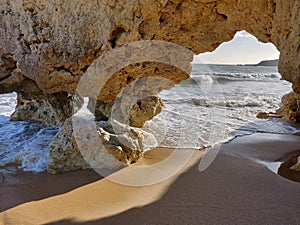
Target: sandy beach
237,188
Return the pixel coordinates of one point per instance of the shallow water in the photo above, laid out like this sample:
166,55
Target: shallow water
217,104
24,143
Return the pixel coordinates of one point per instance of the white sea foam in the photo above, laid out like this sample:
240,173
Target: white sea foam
195,109
23,143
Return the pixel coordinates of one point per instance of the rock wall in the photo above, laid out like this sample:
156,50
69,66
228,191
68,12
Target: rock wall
52,43
46,46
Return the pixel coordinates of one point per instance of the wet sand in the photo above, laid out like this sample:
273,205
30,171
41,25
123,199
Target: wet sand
18,187
237,188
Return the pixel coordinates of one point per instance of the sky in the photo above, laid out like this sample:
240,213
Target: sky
242,49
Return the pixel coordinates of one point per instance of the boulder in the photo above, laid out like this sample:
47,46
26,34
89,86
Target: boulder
90,144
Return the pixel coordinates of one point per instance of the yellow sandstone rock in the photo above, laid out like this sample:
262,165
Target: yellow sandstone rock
48,45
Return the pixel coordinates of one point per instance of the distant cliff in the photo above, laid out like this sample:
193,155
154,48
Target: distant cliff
269,63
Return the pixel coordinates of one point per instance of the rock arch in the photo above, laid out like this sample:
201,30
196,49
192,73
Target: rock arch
46,46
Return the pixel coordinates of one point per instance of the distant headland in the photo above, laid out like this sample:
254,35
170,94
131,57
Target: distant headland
268,63
273,62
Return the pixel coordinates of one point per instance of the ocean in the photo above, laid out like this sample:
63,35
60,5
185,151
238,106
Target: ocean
217,104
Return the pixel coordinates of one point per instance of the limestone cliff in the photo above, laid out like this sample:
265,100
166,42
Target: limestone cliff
47,45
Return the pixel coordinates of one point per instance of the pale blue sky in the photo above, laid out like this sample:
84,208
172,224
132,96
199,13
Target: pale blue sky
242,49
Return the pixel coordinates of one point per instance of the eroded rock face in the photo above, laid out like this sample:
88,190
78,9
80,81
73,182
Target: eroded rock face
47,46
143,110
52,110
97,145
290,109
290,169
64,153
53,42
296,167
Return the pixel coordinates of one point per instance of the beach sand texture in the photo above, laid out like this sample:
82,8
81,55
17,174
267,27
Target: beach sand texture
237,188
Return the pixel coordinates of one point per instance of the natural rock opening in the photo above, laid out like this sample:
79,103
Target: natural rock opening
8,102
122,107
255,60
47,46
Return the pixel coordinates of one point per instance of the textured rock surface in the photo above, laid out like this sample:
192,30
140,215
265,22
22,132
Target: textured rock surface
296,167
80,147
290,109
143,110
52,109
47,45
52,43
64,153
290,169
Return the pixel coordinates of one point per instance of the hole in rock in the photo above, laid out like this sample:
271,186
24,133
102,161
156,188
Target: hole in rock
22,143
227,89
220,101
8,103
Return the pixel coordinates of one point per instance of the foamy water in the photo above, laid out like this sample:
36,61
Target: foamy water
23,143
217,104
